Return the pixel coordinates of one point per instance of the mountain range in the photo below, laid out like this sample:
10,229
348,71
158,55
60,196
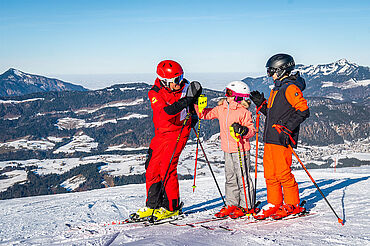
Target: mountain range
340,80
61,141
15,83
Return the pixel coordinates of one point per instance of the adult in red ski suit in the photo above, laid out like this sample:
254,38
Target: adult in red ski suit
172,99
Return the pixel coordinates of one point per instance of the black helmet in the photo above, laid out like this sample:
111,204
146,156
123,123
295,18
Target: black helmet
280,64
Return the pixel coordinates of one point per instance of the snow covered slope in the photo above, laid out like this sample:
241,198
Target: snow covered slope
41,220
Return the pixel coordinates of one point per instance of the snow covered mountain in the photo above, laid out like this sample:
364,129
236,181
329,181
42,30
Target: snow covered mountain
94,216
14,83
55,142
340,80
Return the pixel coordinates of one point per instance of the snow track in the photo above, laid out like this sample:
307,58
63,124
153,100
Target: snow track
42,220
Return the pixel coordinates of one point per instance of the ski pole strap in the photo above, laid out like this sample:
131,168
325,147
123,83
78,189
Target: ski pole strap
259,108
280,128
202,103
234,135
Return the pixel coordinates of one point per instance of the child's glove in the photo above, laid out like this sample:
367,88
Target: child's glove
242,130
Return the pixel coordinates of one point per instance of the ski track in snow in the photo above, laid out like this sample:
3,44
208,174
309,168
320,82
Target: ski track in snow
42,220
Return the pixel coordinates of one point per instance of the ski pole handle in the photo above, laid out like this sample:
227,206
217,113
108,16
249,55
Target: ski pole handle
233,134
202,103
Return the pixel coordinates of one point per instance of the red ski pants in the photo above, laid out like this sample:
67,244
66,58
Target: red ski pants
277,160
160,152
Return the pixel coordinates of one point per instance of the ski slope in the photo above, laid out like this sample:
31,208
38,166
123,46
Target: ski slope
42,220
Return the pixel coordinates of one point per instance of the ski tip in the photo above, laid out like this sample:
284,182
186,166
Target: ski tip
341,221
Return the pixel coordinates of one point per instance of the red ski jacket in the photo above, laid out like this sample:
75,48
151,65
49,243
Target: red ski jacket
161,97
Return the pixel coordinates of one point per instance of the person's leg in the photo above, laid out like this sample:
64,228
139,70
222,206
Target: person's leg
231,184
171,199
285,176
152,176
270,161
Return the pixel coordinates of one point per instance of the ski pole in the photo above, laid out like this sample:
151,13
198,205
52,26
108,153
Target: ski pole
209,165
317,187
255,167
161,193
202,103
236,136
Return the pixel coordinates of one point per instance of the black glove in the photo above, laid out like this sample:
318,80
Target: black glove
194,91
284,139
257,98
242,130
194,120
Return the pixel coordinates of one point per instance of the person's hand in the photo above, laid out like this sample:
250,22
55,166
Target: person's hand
194,91
257,98
242,130
285,137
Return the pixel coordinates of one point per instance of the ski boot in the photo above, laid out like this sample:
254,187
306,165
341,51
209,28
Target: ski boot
238,212
266,211
162,213
286,210
225,211
142,214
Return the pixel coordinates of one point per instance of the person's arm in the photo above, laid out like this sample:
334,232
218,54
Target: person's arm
193,92
209,113
158,105
295,97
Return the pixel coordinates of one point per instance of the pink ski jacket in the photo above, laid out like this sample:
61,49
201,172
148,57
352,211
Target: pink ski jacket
227,113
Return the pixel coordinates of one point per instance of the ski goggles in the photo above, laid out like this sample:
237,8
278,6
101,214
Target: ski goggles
237,96
176,80
271,71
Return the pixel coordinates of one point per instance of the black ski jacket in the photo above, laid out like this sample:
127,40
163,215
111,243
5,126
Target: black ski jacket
287,107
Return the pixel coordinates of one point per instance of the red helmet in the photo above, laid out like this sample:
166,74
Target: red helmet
170,71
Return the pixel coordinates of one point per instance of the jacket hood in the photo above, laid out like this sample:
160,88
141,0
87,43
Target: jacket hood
297,80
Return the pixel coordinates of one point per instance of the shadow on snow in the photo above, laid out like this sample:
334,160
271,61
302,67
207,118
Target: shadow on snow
312,199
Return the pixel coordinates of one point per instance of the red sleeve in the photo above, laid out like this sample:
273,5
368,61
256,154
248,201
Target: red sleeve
158,103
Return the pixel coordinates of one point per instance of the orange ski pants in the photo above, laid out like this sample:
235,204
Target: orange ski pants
277,160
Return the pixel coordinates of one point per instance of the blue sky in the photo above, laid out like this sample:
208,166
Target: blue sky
132,36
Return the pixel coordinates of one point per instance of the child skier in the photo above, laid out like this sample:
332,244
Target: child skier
285,110
231,112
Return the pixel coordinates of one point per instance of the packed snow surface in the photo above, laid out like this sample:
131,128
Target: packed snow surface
42,220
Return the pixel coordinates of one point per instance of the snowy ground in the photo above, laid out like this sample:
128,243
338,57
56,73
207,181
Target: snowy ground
41,220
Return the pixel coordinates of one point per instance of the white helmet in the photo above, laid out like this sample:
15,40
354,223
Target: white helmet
238,88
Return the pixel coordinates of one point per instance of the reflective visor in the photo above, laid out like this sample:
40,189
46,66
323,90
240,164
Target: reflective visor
271,71
176,80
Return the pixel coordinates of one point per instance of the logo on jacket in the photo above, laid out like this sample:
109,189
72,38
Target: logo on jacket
154,100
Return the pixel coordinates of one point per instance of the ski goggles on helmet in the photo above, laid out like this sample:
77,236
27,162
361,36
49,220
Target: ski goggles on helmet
271,71
177,80
238,97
